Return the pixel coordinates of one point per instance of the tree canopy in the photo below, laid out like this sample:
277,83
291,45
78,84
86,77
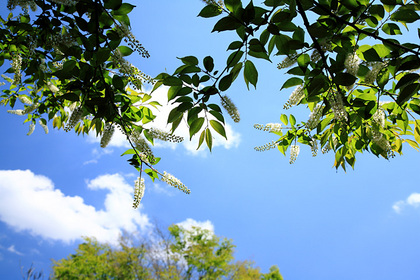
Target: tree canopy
194,253
353,65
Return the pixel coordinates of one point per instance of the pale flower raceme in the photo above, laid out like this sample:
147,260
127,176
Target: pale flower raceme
24,99
24,4
16,65
314,117
31,129
141,145
379,117
107,134
379,139
270,127
337,107
174,182
139,188
164,136
288,61
75,117
314,147
373,73
273,144
16,112
294,152
351,63
228,105
44,126
297,94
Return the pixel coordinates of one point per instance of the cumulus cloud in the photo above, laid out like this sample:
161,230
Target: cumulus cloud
189,223
160,95
413,200
30,202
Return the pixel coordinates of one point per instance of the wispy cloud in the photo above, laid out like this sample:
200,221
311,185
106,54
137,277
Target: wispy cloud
189,223
160,95
31,202
13,250
413,200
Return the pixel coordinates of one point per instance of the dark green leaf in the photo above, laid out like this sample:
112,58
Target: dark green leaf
250,73
225,82
172,81
189,60
407,92
291,82
208,63
209,139
227,23
344,79
124,9
210,11
196,126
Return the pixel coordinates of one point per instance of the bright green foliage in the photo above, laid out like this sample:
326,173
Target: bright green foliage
184,254
68,66
350,66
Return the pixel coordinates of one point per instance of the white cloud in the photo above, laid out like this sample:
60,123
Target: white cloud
160,95
30,202
14,251
189,223
413,200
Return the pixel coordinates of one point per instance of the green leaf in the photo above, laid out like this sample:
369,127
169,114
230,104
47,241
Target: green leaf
210,11
225,82
70,96
291,82
283,119
124,9
407,79
201,140
292,120
250,73
172,81
189,60
129,152
232,5
226,23
218,127
125,51
208,63
209,139
391,29
174,115
405,15
196,126
407,92
112,4
344,79
118,82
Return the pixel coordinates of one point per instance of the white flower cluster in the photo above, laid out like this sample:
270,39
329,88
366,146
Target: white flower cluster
315,56
125,32
379,139
16,112
373,73
314,147
288,61
107,134
174,182
273,144
31,129
337,107
379,117
65,2
165,136
351,63
75,117
297,94
314,117
142,146
24,99
329,146
24,4
64,39
44,126
294,152
230,108
139,188
270,127
16,65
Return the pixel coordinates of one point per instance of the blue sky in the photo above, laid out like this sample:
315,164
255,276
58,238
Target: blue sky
312,221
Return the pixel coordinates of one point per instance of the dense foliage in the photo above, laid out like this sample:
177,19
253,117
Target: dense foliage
353,64
183,254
